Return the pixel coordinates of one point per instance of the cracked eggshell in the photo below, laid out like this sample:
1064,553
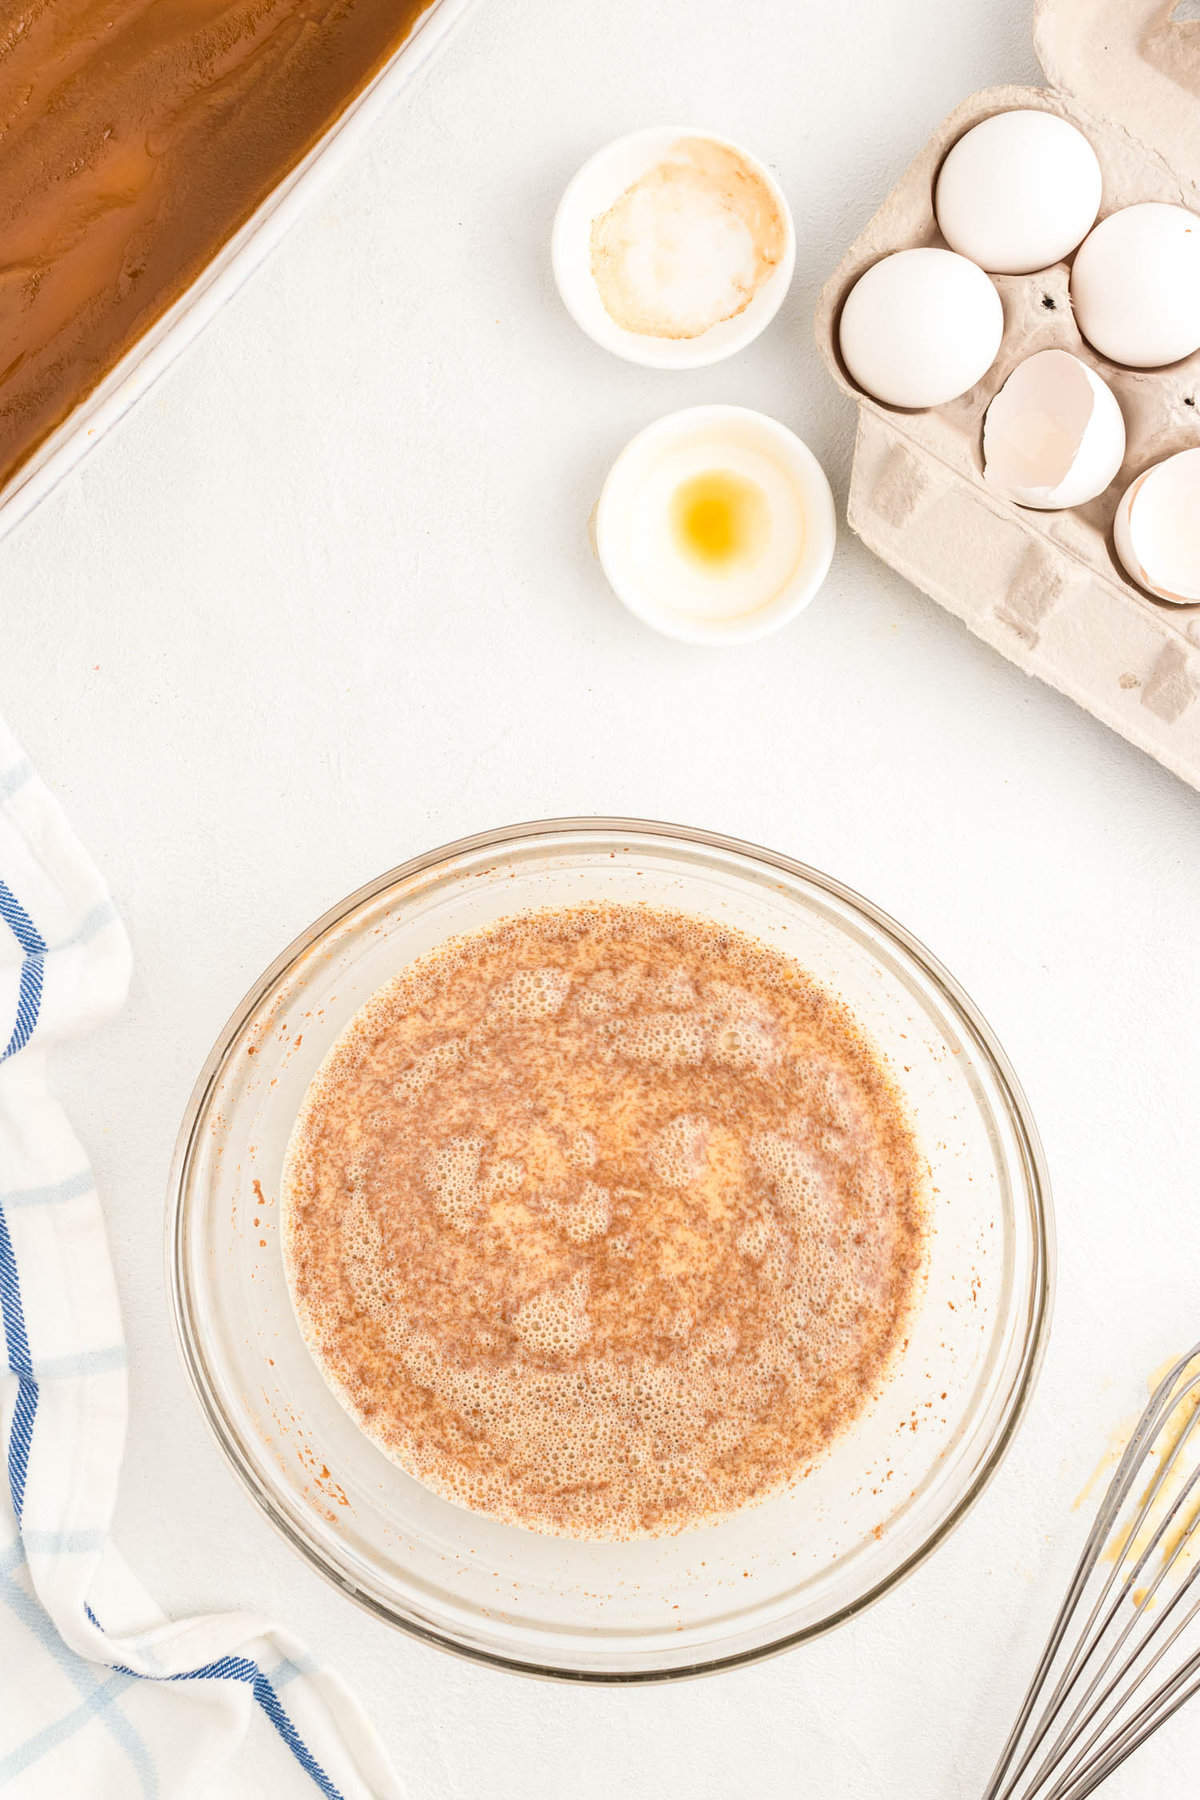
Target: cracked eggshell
920,327
1054,435
1157,529
1135,285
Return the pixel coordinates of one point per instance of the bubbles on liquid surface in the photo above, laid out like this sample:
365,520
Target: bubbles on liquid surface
603,1222
555,1322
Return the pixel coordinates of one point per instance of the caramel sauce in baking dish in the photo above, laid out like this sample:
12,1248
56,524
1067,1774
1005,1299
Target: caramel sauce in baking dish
603,1221
136,136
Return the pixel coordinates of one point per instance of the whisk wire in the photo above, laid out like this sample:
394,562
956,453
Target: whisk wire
1110,1509
1094,1710
1091,1641
1177,1691
1109,1719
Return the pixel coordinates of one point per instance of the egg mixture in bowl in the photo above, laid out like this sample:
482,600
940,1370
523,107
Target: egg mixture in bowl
603,1221
610,1250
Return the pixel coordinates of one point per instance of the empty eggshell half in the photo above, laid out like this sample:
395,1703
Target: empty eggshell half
1054,436
1157,529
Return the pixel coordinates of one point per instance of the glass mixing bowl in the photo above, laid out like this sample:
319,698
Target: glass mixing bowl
892,1485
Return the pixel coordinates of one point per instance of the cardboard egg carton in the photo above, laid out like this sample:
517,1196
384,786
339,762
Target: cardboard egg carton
1046,589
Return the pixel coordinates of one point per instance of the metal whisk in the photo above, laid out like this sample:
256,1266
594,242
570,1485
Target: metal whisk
1124,1653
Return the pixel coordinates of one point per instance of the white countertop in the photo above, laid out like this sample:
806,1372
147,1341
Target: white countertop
325,599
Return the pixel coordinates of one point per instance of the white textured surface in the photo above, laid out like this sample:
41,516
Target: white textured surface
326,599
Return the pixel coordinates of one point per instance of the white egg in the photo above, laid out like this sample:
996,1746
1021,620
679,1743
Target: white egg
920,327
1019,192
1054,436
1135,285
715,524
1157,528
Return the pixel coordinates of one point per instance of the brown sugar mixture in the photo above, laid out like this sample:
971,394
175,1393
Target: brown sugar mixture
135,137
603,1221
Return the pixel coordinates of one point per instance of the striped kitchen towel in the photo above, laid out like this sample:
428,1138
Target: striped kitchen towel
102,1697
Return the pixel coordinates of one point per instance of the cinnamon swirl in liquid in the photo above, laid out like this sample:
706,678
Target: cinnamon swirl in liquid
604,1221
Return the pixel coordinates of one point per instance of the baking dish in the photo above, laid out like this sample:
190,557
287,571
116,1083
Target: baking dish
158,347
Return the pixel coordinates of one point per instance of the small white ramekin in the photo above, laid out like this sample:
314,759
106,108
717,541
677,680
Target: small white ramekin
601,181
619,494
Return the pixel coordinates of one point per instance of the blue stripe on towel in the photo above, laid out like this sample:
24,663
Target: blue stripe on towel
50,1192
96,1697
62,1543
14,778
25,1410
235,1668
241,1668
15,1336
271,1704
102,914
29,997
42,1742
